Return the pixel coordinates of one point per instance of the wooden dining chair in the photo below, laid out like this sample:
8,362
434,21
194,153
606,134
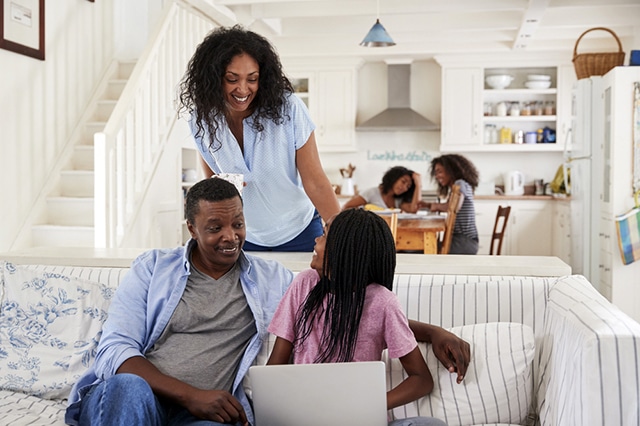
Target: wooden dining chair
452,212
502,217
392,221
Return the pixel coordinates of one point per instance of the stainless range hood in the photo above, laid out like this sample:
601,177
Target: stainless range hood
398,116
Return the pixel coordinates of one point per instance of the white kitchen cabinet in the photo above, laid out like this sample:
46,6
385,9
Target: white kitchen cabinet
618,282
561,230
531,223
461,108
529,230
330,96
465,96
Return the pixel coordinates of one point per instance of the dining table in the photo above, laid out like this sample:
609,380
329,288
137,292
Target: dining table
417,232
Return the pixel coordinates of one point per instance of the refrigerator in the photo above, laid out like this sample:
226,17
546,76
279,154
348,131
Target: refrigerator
583,170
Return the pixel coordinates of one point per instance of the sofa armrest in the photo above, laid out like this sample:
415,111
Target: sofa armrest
589,360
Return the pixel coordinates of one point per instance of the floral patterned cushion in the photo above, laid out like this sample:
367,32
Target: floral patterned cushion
50,326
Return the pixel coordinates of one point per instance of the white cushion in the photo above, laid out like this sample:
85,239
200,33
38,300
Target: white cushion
497,388
50,325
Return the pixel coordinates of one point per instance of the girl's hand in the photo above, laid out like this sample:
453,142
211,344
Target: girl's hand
424,205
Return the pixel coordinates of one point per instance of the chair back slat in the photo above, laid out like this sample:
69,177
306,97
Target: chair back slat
502,217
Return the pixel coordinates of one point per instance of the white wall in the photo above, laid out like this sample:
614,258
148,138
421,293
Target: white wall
43,100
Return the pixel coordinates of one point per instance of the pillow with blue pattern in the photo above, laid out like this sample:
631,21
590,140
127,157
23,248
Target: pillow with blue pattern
50,326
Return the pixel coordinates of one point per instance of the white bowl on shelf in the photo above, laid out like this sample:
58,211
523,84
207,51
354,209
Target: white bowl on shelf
537,84
539,77
499,81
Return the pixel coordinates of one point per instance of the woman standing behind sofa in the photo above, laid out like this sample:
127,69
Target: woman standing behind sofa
454,169
400,188
246,120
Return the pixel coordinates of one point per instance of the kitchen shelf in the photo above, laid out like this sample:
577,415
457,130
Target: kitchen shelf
518,118
506,147
507,92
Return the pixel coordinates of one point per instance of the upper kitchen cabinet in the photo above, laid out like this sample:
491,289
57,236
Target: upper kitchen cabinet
330,94
477,117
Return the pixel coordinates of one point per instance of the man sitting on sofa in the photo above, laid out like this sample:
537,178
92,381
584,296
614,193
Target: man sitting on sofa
186,324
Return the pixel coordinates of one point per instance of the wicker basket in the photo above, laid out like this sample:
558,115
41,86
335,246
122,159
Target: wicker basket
588,64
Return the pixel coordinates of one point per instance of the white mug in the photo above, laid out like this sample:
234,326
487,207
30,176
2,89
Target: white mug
235,178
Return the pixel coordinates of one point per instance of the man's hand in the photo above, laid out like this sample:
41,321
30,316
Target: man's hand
216,405
453,352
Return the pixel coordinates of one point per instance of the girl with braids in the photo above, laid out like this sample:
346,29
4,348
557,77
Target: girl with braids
453,169
245,119
400,188
344,310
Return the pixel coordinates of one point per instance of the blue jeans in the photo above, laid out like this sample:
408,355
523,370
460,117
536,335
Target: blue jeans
126,400
418,421
305,241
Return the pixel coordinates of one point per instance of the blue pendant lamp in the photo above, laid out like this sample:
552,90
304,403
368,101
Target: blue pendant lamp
377,35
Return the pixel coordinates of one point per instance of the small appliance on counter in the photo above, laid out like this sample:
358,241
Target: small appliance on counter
513,183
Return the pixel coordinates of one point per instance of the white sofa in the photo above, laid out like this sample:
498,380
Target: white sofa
547,349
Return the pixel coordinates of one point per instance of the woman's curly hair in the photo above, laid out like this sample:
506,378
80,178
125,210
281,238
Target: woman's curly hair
201,92
392,176
457,167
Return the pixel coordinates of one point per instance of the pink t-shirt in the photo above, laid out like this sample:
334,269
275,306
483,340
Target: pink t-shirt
383,324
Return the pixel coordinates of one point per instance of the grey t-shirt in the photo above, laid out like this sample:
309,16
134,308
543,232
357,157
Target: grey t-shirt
208,332
373,196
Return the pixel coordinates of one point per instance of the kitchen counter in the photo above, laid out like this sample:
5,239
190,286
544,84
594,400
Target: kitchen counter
519,197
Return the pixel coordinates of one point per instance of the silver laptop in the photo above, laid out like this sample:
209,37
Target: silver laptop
320,394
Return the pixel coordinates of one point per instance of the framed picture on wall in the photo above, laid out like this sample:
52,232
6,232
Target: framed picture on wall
22,27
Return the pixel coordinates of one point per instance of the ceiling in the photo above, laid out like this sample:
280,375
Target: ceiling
426,28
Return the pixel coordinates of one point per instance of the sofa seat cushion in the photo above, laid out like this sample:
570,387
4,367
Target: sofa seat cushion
18,409
50,325
497,388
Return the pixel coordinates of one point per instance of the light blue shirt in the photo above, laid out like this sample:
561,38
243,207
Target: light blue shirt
146,299
276,208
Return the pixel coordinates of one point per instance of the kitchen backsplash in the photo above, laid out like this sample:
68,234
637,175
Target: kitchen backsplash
378,151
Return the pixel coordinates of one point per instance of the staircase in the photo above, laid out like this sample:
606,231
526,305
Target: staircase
69,216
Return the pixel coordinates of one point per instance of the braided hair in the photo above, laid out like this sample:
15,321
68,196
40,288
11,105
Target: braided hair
359,251
457,167
201,93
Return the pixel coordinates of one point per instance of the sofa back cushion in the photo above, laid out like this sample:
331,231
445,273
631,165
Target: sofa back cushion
456,300
50,325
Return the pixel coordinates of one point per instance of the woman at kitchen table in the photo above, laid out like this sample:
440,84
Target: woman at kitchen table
246,120
400,188
454,169
344,310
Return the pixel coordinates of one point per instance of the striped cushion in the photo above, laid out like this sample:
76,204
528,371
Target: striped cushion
18,409
498,386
